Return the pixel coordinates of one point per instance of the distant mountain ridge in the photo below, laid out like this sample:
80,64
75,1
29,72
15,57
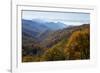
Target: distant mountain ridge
36,28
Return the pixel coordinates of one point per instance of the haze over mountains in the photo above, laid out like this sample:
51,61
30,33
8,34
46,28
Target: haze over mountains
50,25
35,28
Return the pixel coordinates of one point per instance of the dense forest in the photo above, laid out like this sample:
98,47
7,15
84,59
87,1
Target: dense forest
70,43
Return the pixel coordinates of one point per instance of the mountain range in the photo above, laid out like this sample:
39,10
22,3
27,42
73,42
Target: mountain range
42,39
36,28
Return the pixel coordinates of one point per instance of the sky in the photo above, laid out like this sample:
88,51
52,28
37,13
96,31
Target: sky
68,18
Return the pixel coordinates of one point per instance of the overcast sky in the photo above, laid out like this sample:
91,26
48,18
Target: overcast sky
68,18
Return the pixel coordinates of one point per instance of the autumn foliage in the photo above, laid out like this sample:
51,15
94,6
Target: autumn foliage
73,45
79,45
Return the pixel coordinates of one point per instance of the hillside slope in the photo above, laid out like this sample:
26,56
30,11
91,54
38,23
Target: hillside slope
66,44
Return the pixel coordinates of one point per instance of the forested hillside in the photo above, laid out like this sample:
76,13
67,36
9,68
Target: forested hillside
70,43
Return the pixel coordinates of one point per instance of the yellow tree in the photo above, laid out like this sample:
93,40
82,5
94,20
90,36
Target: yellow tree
79,44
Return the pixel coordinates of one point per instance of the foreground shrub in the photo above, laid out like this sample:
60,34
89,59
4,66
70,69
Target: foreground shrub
53,54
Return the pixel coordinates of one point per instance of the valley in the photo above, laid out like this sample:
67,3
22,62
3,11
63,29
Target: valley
52,41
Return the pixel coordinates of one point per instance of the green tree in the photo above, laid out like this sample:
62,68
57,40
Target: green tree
53,54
